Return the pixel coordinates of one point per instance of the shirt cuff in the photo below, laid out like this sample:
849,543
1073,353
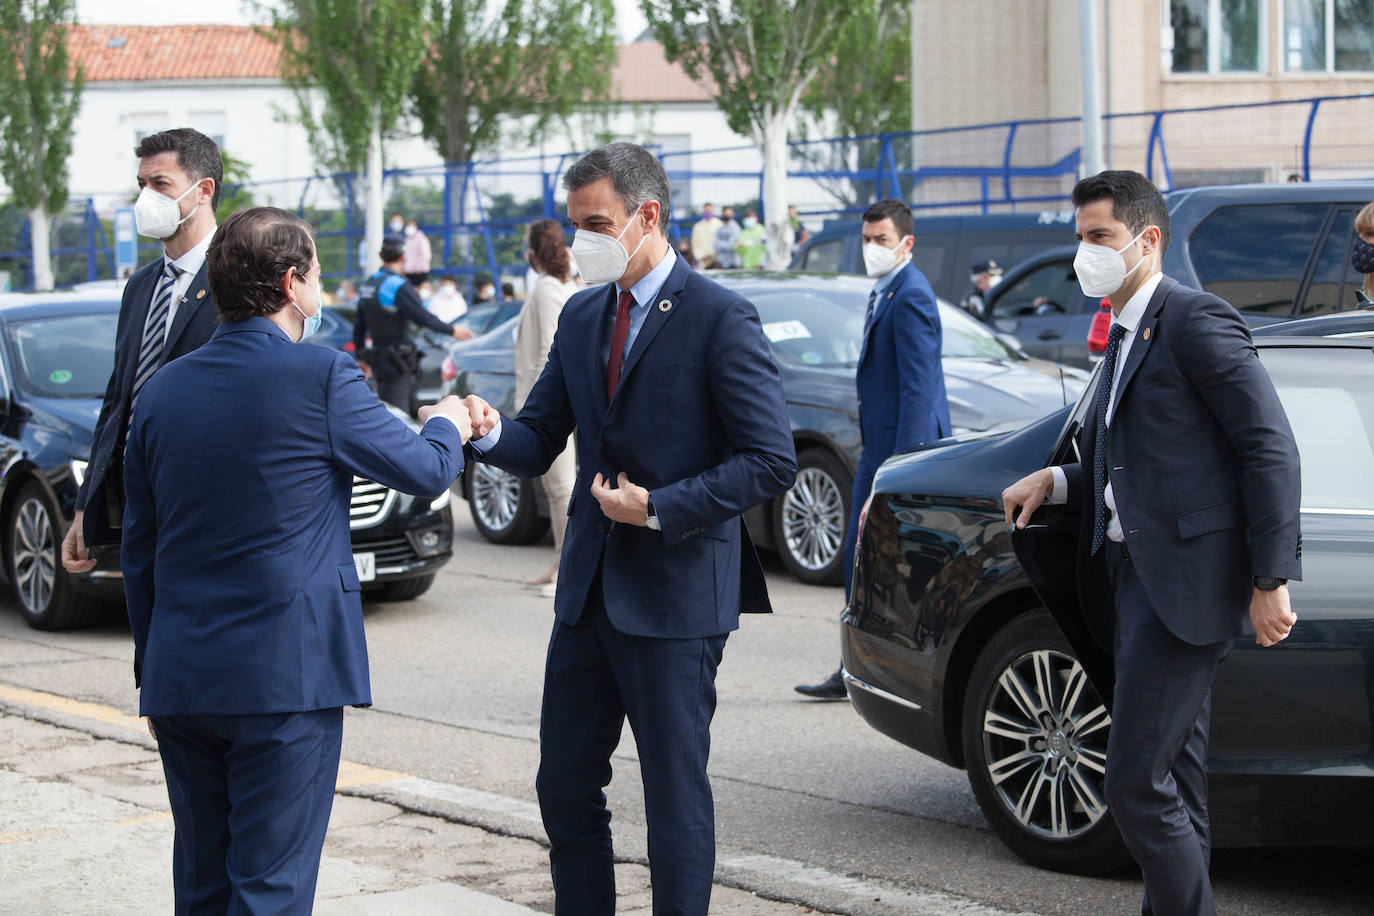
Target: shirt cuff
448,420
487,442
1060,494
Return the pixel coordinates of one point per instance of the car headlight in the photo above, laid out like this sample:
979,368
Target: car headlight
79,471
441,500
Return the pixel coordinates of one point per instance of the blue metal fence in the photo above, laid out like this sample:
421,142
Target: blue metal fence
475,213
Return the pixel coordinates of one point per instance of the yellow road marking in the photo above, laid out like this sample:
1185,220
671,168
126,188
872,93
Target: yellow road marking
351,775
153,818
8,838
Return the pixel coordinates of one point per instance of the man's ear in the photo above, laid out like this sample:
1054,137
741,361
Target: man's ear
653,215
286,280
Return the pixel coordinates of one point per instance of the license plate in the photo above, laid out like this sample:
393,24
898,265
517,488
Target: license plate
367,566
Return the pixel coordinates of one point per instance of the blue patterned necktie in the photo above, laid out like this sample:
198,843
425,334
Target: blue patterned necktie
155,331
1104,397
868,323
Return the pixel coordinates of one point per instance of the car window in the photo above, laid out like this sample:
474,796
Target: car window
967,338
826,255
1254,256
1051,289
1335,279
64,357
1329,397
812,328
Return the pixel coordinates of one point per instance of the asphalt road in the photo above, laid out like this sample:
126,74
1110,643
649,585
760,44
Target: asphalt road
812,805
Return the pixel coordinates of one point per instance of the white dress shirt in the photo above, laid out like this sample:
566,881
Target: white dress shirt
189,264
1129,319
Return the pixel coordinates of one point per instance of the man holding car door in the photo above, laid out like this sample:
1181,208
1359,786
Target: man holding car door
1189,491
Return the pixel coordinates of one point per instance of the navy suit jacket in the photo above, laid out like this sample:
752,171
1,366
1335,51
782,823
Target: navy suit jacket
901,380
238,572
698,419
191,328
1204,472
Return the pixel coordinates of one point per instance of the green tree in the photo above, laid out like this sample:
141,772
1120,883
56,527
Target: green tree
40,94
759,57
358,58
490,64
864,89
234,195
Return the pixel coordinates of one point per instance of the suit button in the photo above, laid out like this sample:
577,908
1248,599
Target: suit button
601,527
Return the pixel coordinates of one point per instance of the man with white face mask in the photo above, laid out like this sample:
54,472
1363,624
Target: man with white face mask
1186,506
900,378
167,311
669,384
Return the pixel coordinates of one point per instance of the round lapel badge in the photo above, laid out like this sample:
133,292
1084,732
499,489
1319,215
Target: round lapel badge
1146,334
665,305
200,295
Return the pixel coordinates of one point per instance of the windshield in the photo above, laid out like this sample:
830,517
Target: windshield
824,328
68,356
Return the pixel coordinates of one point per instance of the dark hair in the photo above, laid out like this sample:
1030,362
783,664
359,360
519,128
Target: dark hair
1136,202
895,210
197,155
549,249
249,254
390,254
635,173
508,290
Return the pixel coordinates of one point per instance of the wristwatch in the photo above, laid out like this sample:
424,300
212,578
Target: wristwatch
652,520
1268,583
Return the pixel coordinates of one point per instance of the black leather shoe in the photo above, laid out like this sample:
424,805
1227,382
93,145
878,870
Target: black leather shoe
832,688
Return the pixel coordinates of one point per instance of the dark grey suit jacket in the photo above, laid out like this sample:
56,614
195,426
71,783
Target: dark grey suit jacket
1204,471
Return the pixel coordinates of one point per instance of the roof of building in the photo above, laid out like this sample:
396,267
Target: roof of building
144,53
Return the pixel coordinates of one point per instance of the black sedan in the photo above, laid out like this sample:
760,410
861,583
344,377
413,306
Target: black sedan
55,361
814,323
967,643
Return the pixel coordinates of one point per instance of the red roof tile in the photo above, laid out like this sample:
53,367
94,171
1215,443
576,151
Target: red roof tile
138,53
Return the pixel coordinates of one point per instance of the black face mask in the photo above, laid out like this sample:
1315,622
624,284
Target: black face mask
1362,256
727,218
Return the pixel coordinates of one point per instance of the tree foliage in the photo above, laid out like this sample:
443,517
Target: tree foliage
487,65
40,94
360,56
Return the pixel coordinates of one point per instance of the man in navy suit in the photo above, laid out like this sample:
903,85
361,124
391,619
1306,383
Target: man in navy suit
166,312
669,384
1189,490
238,571
900,378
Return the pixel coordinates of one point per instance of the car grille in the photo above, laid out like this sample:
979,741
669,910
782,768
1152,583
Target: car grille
388,551
370,504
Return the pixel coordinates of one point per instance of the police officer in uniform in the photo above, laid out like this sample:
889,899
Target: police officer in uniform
387,303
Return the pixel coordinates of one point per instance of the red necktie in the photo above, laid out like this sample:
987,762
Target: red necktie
622,331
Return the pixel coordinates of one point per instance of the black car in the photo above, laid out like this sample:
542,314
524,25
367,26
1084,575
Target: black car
55,362
957,648
814,323
1040,302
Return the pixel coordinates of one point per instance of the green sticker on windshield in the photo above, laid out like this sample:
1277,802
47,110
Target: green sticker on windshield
59,377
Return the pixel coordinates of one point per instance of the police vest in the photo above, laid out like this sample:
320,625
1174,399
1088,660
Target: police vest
377,301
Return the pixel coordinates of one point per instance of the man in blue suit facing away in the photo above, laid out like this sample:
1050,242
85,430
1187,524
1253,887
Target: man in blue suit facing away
901,380
238,572
669,384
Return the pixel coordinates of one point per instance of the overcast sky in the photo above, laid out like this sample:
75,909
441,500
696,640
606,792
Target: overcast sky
177,12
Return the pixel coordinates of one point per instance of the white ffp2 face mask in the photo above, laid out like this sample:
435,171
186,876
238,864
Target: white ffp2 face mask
879,260
601,258
1101,269
157,216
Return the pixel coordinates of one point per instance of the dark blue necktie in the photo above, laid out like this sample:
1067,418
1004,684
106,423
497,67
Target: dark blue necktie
1104,397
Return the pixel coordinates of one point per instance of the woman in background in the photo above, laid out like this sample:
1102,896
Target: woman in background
533,338
1362,255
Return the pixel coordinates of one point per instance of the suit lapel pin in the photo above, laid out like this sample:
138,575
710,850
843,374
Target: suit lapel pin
1146,334
665,305
200,295
889,295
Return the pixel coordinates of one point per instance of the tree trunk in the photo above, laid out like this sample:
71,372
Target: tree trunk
779,231
39,228
372,200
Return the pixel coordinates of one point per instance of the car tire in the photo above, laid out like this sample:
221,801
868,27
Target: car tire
33,552
503,506
1036,762
811,519
401,590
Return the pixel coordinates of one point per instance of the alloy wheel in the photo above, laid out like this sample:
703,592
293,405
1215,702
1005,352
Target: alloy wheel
813,519
34,555
1045,741
495,496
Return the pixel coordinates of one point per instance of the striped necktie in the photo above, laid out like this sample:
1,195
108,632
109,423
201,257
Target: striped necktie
1104,397
155,331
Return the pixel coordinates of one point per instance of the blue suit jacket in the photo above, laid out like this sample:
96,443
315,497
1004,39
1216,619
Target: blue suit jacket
238,572
901,380
191,328
1204,471
699,419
